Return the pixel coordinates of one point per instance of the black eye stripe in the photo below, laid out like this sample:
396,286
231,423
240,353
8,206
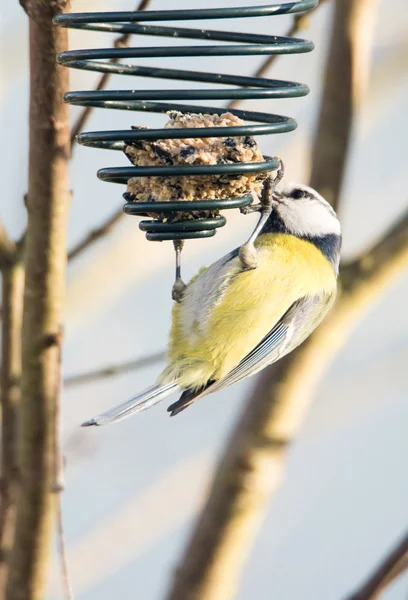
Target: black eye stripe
297,194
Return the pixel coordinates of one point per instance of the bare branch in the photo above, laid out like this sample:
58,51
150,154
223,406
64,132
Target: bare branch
12,310
120,42
62,549
395,563
36,9
58,484
98,374
389,252
96,234
45,257
344,86
8,249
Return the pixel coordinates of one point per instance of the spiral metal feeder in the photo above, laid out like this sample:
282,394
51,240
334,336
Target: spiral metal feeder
164,226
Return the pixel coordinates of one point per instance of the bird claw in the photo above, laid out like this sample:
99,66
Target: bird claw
179,286
247,210
177,291
248,256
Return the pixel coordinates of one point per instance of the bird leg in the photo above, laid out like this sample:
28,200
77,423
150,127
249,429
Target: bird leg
251,208
247,252
247,210
179,286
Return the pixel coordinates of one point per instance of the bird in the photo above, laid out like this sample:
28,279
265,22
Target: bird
234,319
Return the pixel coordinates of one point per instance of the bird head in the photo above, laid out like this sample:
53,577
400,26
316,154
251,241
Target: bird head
299,210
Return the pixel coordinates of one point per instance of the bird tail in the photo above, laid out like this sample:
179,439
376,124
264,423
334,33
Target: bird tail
144,400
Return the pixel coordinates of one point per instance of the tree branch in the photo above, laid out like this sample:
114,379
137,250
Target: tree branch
12,308
45,257
389,569
8,249
35,9
344,89
58,484
95,235
133,365
389,253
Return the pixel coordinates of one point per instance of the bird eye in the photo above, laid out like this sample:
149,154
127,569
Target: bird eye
297,194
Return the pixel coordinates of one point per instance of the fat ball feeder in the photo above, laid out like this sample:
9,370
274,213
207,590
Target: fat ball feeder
206,159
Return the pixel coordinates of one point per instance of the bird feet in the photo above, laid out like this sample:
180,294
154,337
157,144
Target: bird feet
247,252
248,256
177,291
179,286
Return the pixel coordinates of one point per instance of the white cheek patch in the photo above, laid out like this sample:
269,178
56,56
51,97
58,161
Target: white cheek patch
309,217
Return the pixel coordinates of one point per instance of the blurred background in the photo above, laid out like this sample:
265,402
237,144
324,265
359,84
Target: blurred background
133,490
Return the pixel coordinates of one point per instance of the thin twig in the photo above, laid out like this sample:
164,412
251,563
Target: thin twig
62,549
133,365
95,234
120,42
58,484
395,563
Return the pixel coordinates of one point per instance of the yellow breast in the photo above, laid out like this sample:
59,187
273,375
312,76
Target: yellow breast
288,269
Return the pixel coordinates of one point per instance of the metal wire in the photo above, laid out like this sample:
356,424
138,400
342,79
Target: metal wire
145,100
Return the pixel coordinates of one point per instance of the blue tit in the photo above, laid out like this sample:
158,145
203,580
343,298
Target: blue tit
233,321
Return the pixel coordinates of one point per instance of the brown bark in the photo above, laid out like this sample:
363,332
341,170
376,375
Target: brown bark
12,306
45,257
7,249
